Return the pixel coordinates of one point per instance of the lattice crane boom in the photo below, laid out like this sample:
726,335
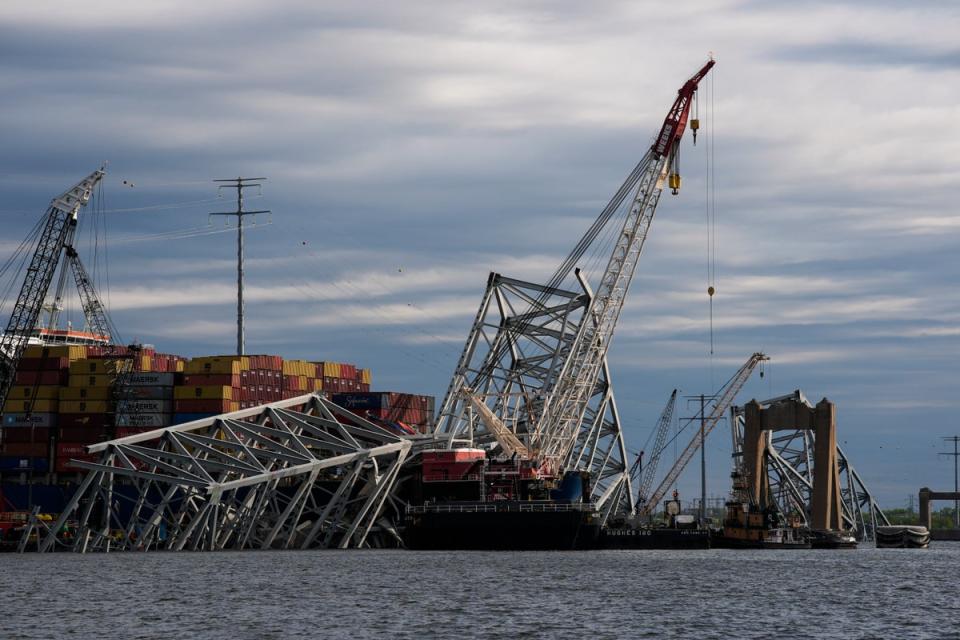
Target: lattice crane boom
93,310
724,400
556,431
58,229
663,428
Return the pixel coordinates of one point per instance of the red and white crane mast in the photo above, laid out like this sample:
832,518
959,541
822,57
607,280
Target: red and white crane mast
556,432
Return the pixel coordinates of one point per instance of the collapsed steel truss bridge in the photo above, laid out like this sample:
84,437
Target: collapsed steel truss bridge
300,473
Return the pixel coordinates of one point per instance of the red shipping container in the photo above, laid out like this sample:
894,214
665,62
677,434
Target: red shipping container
88,420
202,406
26,434
71,449
212,380
43,364
58,377
63,465
82,434
123,432
25,449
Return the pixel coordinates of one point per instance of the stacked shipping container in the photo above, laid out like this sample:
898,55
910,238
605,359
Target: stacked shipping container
30,412
402,409
62,398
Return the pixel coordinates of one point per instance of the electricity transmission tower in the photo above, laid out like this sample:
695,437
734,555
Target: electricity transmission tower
240,184
956,475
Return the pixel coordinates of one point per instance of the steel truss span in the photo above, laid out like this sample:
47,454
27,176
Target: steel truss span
515,353
301,473
789,457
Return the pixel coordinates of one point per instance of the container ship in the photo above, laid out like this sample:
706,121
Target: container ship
65,397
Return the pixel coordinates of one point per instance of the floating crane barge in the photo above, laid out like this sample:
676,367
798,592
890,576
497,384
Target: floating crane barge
527,452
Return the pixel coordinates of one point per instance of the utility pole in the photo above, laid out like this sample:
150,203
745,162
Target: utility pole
703,464
956,476
240,184
702,417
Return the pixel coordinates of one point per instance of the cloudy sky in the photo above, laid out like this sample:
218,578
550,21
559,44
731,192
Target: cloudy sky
413,147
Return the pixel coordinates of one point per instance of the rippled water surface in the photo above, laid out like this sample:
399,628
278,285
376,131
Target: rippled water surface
867,593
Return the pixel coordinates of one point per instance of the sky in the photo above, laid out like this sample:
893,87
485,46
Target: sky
411,148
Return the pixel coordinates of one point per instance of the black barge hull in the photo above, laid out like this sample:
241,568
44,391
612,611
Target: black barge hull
501,530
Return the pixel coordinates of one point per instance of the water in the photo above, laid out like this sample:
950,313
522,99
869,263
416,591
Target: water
867,593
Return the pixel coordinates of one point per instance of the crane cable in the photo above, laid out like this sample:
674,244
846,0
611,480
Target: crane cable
711,202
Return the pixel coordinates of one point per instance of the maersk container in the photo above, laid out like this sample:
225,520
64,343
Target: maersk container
144,406
150,380
30,420
153,420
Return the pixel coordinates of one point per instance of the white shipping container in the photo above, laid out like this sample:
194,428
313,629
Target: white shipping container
145,406
143,420
147,379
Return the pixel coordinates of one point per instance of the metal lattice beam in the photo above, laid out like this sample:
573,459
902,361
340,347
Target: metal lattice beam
301,473
789,459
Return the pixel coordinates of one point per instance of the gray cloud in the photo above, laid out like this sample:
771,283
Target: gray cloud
411,148
871,54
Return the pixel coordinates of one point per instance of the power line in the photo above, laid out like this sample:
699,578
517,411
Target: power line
240,184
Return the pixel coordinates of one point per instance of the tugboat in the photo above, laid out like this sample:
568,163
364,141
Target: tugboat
832,540
747,525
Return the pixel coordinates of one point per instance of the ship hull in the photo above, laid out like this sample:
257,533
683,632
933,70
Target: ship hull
654,539
504,530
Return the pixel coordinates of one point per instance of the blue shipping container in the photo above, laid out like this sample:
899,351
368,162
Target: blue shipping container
24,464
362,400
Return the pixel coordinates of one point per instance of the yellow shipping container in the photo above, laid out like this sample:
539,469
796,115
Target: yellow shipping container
331,369
100,366
204,393
223,365
365,376
93,380
180,365
73,352
85,393
43,405
298,368
317,384
83,406
26,392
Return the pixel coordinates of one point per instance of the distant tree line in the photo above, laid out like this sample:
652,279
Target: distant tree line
945,518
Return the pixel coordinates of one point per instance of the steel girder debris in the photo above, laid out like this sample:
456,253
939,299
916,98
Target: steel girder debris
300,473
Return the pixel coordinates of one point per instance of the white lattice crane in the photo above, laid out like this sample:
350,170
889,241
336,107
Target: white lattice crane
723,401
555,433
